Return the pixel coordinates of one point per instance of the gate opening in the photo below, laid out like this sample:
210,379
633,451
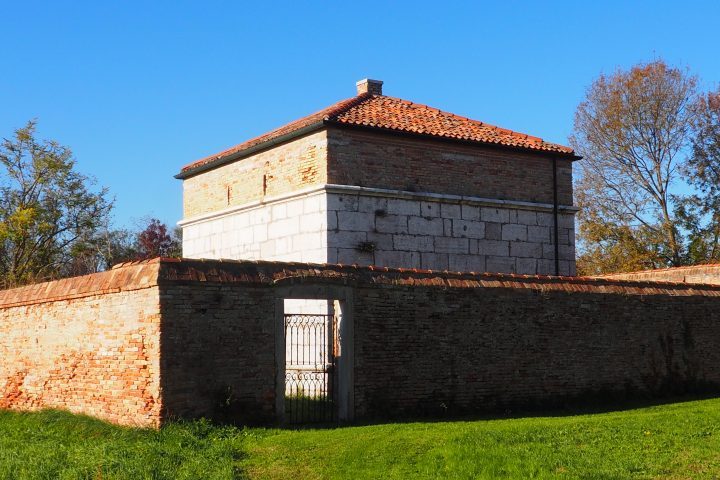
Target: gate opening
311,352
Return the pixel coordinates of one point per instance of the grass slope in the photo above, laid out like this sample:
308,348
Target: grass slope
680,440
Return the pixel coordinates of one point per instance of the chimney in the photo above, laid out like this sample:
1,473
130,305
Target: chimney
373,87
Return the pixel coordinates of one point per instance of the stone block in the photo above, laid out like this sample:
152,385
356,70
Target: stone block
314,222
259,216
309,241
396,206
500,264
545,267
495,248
294,208
260,233
450,210
566,220
430,209
526,217
493,231
278,211
470,212
382,241
466,263
567,268
350,256
451,245
545,219
413,243
391,224
490,214
372,204
345,239
356,221
313,204
267,249
425,226
284,228
332,220
567,252
538,234
526,249
447,227
342,203
526,266
514,232
434,261
284,246
469,229
384,258
548,251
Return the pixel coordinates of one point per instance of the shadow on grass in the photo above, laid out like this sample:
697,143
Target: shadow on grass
569,408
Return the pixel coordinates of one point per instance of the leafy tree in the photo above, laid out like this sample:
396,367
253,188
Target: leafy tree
156,241
109,247
701,212
46,208
631,129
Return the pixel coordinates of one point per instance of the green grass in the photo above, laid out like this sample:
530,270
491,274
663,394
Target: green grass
677,441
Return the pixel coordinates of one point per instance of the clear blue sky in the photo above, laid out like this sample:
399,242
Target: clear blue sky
138,89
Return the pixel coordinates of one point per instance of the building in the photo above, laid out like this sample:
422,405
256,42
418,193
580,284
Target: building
377,180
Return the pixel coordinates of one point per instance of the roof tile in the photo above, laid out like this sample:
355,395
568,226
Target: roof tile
395,114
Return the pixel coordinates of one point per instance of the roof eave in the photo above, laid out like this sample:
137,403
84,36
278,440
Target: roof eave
569,155
223,160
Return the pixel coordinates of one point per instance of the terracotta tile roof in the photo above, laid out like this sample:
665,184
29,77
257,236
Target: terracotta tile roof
394,114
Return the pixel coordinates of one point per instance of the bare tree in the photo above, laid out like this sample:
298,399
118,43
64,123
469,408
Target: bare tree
631,130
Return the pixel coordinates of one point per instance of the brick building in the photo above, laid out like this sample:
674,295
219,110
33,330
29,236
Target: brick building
377,180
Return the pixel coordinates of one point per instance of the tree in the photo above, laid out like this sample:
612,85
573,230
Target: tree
46,208
701,212
631,130
108,247
155,241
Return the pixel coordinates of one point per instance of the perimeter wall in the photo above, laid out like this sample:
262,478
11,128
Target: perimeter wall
166,338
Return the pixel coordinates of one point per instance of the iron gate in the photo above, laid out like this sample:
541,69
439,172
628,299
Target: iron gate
310,384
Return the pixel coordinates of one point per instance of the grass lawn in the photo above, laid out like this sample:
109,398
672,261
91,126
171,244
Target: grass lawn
680,440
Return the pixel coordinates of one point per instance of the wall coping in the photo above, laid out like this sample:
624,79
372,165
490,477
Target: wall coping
169,271
378,192
125,278
703,268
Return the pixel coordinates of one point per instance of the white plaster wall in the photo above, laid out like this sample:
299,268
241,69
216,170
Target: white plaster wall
447,235
293,229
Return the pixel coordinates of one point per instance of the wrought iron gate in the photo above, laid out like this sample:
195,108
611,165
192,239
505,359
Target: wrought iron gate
310,373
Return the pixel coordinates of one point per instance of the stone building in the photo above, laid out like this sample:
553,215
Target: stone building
377,180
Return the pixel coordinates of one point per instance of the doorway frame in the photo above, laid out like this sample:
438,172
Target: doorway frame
342,298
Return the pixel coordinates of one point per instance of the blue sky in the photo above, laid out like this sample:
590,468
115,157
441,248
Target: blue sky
138,89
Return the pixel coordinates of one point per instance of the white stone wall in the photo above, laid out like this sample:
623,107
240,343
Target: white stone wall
447,234
355,225
292,229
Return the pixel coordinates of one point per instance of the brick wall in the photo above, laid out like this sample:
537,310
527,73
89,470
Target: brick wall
432,350
278,170
373,159
430,342
89,345
218,351
690,274
164,339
